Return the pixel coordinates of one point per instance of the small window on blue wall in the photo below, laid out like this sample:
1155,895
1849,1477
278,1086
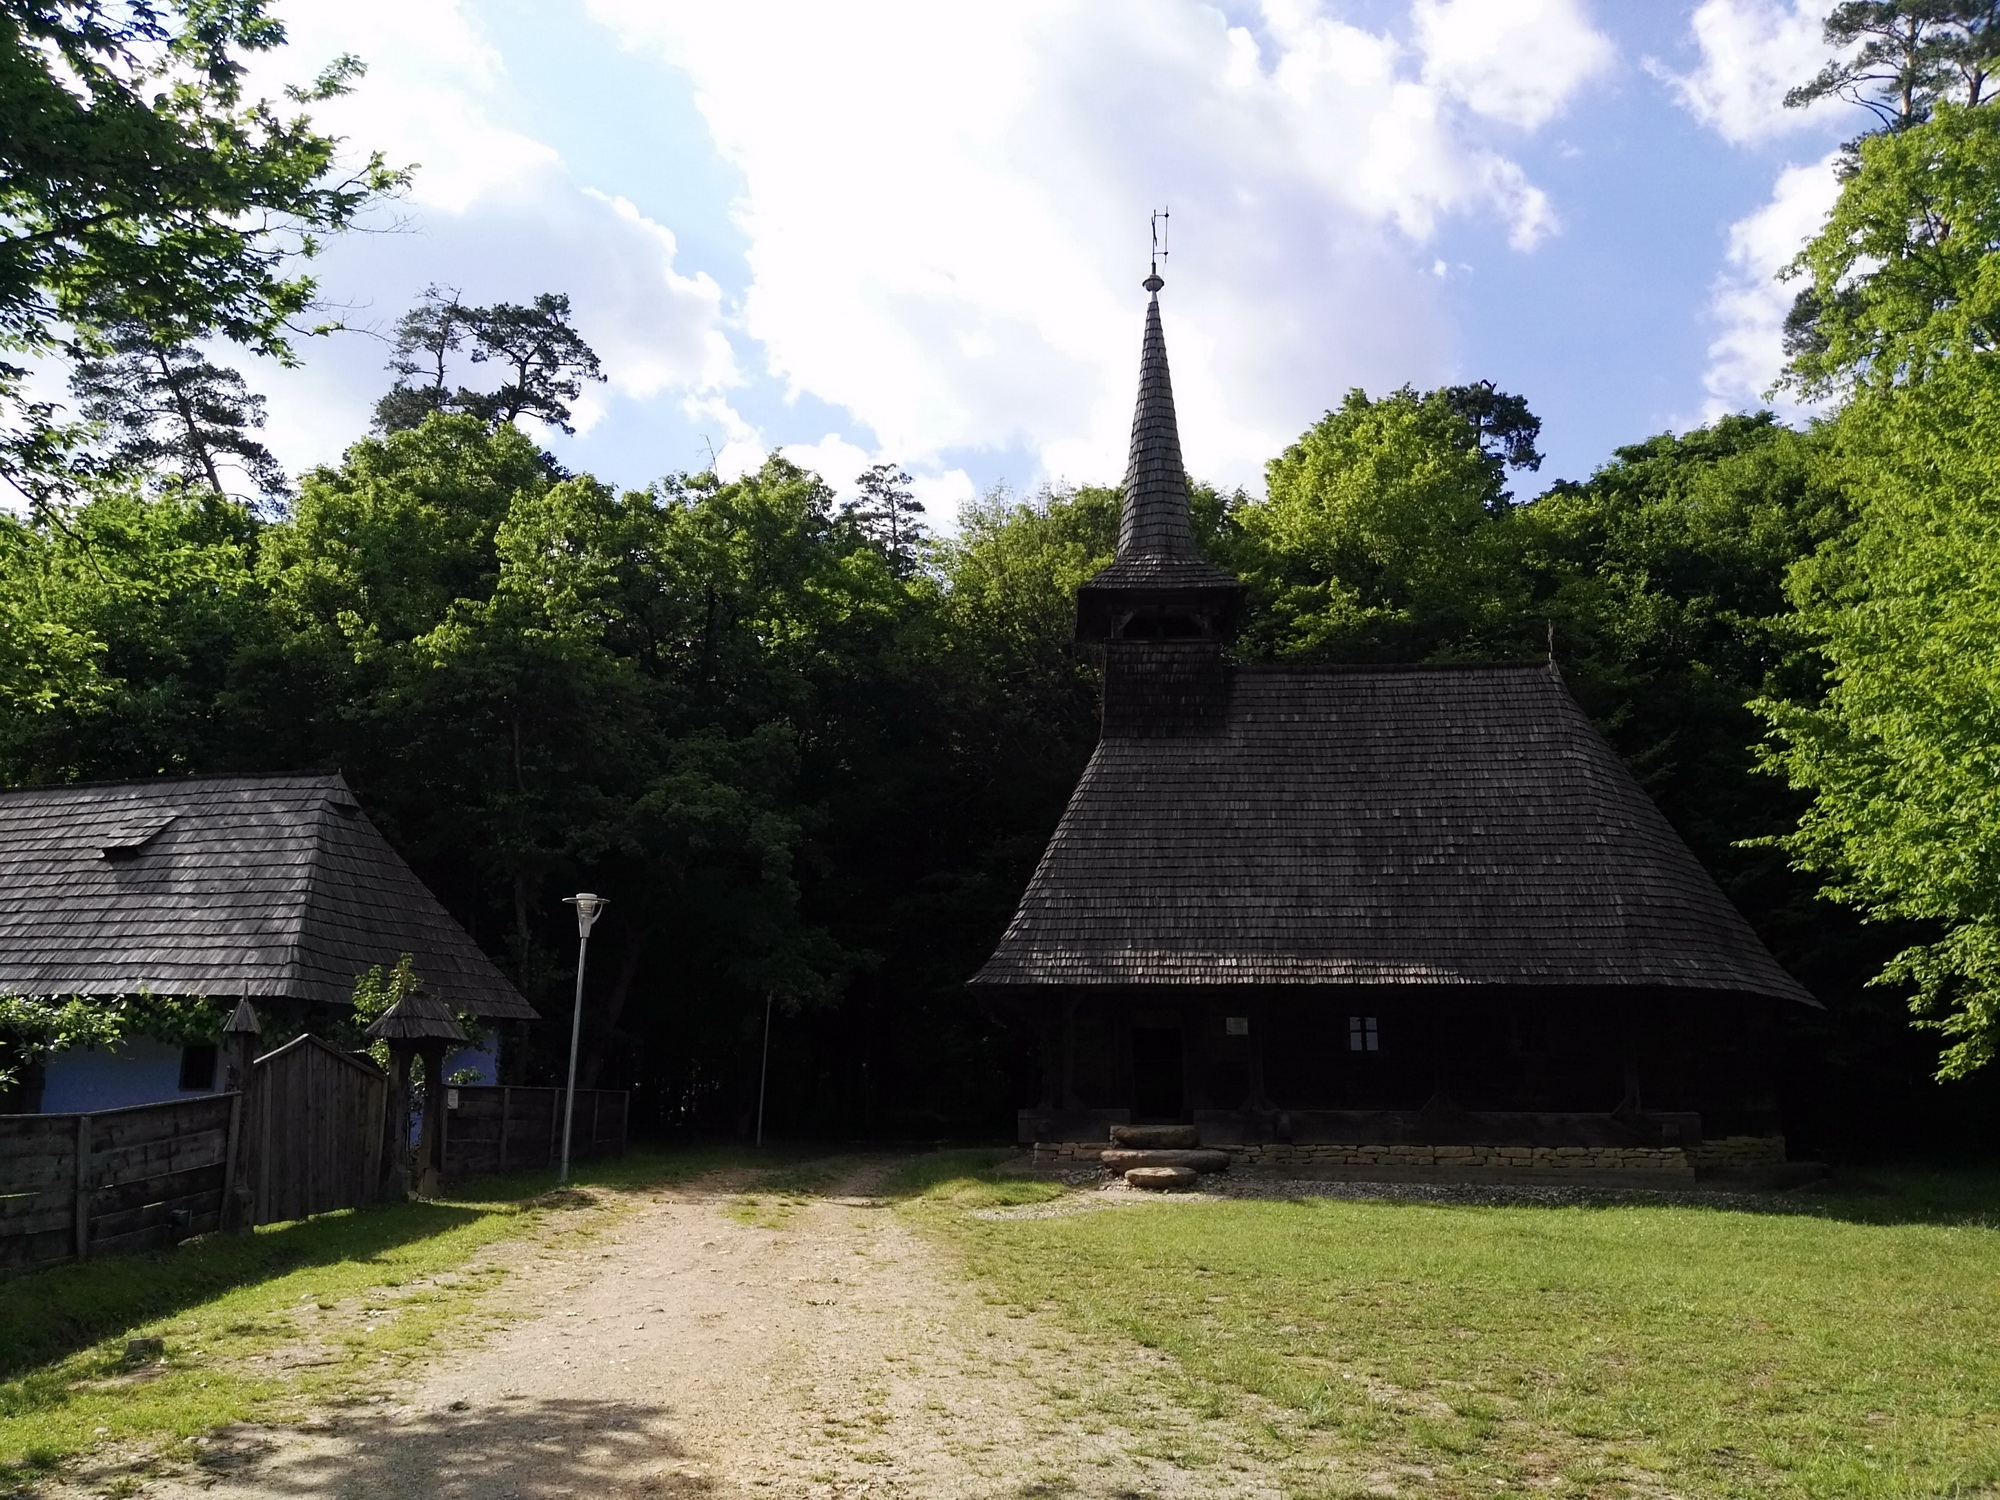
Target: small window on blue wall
198,1068
1363,1035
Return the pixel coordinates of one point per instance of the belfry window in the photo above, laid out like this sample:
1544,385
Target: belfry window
1363,1034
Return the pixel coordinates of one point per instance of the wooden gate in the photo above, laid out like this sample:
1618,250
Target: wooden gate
314,1131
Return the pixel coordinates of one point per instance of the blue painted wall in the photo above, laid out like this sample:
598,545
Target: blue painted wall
138,1070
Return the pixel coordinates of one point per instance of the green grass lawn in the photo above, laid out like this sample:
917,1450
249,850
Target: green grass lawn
1847,1348
258,1326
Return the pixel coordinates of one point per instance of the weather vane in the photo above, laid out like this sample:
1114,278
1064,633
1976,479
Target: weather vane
1162,217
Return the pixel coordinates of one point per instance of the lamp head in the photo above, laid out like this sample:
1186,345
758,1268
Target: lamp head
589,906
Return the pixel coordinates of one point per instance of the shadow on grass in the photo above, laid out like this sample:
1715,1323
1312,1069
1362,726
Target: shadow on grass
515,1446
50,1314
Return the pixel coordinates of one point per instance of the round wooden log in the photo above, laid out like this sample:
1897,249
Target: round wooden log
1162,1179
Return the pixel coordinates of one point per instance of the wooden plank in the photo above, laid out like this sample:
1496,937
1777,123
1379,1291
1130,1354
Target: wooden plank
26,1251
105,1228
30,1176
165,1185
45,1218
145,1123
135,1163
81,1206
506,1118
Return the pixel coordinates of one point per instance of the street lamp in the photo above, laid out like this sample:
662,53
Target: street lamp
588,907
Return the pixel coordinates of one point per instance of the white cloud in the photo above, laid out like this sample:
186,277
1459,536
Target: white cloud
945,206
491,211
1752,52
1476,50
1748,300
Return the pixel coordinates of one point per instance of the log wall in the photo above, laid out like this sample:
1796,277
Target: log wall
497,1128
73,1186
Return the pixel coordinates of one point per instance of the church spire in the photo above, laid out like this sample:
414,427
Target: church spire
1158,585
1154,521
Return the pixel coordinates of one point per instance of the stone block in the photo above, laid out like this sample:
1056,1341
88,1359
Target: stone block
1200,1161
1162,1179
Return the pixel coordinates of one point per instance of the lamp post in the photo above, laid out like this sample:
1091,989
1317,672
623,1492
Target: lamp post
588,906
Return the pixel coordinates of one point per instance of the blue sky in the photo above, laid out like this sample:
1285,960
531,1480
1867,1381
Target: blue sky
914,232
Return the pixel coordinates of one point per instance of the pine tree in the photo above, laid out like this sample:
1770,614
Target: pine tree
547,358
887,514
166,408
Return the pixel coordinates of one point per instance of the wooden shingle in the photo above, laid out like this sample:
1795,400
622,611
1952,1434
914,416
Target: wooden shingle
223,886
1424,825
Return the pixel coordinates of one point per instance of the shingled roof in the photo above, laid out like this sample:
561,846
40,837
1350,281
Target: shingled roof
1156,546
223,886
1403,826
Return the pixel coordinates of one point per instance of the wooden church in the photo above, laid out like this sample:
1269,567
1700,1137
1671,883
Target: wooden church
1368,919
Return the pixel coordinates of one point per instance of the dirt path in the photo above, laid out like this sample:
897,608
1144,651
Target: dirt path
687,1353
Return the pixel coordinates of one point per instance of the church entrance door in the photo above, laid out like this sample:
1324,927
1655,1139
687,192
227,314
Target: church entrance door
1157,1084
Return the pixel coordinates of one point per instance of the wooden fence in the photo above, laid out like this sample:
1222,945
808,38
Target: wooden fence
316,1132
497,1128
309,1133
117,1180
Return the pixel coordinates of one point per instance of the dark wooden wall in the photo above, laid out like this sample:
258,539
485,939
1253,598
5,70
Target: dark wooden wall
117,1180
503,1129
308,1135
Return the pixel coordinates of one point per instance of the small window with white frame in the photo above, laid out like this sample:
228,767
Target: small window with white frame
1363,1034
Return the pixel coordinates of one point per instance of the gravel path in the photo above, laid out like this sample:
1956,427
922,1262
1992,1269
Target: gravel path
687,1353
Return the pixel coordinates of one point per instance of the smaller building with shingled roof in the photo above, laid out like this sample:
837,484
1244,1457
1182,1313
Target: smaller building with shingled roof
261,888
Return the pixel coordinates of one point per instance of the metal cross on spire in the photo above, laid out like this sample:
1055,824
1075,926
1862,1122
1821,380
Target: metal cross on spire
1162,218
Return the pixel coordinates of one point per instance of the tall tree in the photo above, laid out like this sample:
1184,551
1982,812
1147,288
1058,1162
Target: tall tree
137,183
1901,58
888,514
168,407
1502,426
1382,534
1902,754
545,358
1905,273
427,338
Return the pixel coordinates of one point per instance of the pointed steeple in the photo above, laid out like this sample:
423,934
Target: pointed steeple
1159,584
1155,522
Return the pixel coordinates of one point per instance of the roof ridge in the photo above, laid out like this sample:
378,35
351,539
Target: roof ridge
1362,667
307,778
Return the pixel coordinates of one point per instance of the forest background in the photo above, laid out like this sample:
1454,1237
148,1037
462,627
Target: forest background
812,753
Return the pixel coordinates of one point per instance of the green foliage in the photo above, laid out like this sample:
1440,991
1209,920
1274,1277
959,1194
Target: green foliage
1383,534
1903,755
1899,59
121,620
374,993
34,1028
140,185
545,357
1906,272
168,410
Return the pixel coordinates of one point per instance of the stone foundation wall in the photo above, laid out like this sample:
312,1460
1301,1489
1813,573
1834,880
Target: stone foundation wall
1738,1153
1670,1160
1280,1158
